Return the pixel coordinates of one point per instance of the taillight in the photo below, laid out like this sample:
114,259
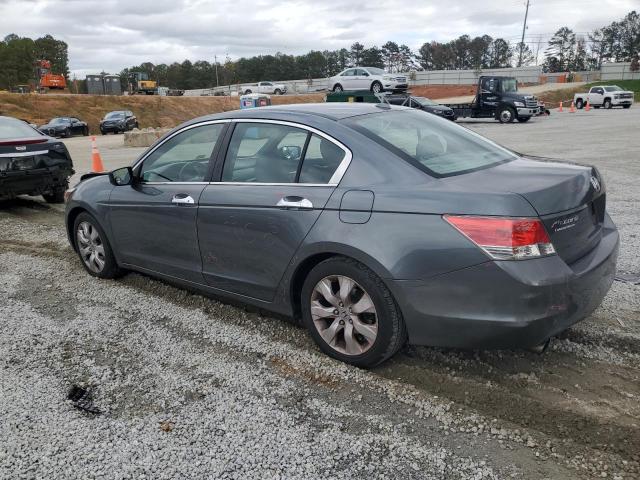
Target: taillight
504,238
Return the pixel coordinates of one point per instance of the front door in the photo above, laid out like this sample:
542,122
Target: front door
154,220
596,96
275,182
489,93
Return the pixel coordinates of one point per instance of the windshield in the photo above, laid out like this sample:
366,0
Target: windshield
376,71
59,120
509,85
615,88
114,115
436,146
11,128
424,101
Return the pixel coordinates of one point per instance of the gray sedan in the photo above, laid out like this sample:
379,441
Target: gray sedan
373,225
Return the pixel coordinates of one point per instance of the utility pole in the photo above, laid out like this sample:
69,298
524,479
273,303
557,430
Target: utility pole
215,60
524,27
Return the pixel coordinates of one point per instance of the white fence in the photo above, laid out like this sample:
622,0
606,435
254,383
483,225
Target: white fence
610,71
619,71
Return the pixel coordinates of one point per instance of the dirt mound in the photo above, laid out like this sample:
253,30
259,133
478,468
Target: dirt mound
152,111
443,91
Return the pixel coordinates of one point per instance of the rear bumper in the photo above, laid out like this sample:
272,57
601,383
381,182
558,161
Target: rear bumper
33,182
502,304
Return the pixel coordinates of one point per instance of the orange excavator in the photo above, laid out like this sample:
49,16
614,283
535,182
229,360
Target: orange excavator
46,80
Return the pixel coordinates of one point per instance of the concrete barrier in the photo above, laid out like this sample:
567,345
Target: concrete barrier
144,137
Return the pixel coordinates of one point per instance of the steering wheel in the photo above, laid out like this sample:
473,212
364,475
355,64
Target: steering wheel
197,169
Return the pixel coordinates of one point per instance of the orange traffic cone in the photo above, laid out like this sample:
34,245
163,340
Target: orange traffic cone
96,160
560,107
573,108
587,107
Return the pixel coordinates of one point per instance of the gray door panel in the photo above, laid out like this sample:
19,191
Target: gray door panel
152,232
247,240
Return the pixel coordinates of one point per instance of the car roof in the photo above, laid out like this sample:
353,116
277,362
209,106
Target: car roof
331,110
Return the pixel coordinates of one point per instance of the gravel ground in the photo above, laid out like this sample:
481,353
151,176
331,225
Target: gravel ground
191,388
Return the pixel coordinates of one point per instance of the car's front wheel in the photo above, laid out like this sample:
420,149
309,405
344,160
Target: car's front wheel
351,314
607,104
93,247
506,115
626,106
376,87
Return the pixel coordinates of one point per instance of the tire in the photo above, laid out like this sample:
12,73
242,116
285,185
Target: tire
277,91
109,268
524,119
67,133
56,197
382,343
247,92
338,88
579,104
102,132
607,103
506,115
626,106
85,131
376,87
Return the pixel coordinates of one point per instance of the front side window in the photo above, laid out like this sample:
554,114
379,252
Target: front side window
438,147
184,157
376,71
274,153
509,85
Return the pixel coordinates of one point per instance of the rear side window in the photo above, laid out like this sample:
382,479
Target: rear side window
436,146
274,153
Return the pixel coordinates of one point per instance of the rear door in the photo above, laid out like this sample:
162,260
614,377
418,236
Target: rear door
362,80
154,221
275,180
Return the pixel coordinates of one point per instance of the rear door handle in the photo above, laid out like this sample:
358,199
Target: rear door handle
294,202
182,199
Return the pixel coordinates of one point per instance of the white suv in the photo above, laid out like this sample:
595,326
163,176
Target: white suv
368,78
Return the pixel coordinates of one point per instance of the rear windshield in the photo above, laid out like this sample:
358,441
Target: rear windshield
436,146
11,128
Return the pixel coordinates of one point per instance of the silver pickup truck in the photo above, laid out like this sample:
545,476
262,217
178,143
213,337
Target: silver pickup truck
605,96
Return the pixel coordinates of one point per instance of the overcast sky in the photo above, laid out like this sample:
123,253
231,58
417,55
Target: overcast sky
112,34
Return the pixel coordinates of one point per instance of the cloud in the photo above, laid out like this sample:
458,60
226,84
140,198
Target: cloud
113,34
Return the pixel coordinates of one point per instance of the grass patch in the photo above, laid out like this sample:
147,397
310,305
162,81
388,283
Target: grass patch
553,98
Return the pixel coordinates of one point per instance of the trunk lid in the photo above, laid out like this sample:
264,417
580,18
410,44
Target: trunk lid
570,199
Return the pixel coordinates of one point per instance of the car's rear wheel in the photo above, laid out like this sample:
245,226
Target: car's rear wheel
247,92
579,104
376,87
93,247
506,115
351,314
338,88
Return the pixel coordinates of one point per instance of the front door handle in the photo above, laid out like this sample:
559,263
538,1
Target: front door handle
182,199
295,202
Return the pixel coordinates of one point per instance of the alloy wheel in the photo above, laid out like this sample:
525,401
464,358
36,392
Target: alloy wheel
505,115
344,315
90,247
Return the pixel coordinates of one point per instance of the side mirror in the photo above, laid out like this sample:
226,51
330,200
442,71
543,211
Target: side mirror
365,74
291,152
121,176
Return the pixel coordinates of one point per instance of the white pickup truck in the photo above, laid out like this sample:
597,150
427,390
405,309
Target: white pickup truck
264,87
605,96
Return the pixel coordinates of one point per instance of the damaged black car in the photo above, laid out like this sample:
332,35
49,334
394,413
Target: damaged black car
32,163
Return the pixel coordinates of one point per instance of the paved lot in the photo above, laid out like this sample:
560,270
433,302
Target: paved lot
192,388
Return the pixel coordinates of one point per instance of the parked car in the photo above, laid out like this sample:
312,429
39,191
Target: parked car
605,96
64,127
32,163
421,103
373,224
265,87
368,78
118,122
